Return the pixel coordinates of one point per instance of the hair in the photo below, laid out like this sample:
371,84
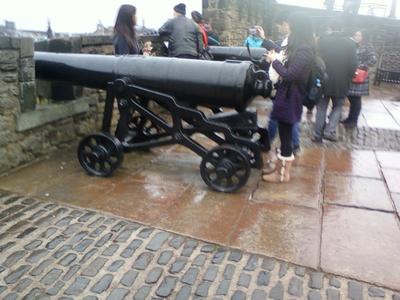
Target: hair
301,32
197,17
125,25
366,35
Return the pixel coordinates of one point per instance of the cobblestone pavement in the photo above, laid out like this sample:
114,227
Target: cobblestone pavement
51,251
384,136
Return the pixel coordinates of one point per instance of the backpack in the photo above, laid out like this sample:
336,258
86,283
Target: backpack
316,82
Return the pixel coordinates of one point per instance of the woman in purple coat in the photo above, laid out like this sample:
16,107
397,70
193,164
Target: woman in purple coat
294,73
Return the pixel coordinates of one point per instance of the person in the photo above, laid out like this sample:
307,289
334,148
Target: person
282,24
210,37
266,43
199,20
254,40
291,89
339,54
148,49
183,35
124,40
366,58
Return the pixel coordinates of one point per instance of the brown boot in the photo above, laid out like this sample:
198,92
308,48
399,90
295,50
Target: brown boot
282,171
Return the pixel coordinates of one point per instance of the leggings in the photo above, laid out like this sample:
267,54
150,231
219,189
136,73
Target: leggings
285,135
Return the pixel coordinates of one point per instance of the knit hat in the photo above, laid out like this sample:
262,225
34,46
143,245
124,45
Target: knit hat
180,8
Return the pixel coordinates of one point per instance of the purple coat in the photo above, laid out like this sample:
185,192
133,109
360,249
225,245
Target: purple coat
291,90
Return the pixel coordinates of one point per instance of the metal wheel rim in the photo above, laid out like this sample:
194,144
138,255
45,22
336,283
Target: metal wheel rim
234,178
100,154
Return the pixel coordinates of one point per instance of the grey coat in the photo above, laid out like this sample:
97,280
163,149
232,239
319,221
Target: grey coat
183,35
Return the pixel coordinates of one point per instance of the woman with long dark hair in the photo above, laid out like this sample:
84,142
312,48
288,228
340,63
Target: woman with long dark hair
125,41
294,71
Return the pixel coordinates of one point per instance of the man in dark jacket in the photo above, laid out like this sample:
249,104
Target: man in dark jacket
339,54
183,35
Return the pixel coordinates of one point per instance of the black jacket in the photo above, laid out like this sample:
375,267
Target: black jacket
339,55
121,46
183,35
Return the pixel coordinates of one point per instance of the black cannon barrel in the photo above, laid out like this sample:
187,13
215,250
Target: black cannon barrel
229,84
236,53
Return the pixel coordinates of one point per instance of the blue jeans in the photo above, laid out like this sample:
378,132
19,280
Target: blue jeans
273,127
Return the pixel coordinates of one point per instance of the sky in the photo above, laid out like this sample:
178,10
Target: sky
82,16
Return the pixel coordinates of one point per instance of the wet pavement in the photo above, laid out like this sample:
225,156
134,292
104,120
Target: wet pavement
340,213
54,251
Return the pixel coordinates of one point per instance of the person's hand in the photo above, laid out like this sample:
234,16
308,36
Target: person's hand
271,56
260,31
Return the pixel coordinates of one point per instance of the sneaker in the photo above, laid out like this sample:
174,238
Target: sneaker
330,137
317,139
350,125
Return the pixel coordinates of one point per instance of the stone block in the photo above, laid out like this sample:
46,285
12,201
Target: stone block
27,96
15,43
9,56
10,77
26,49
96,40
26,69
9,67
5,42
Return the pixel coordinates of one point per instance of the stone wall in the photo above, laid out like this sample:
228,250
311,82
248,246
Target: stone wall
232,18
37,119
29,131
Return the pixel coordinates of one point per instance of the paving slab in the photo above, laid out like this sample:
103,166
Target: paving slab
205,214
282,231
311,158
392,177
389,159
396,200
303,190
355,162
358,192
361,244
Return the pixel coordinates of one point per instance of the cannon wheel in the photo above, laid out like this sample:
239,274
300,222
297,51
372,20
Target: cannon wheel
100,154
225,169
141,125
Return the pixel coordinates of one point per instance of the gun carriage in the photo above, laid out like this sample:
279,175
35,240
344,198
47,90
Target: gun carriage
191,94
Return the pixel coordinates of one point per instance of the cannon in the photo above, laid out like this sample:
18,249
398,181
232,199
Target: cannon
186,96
237,53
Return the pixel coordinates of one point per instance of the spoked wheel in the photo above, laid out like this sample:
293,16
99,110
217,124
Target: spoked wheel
100,154
144,126
251,155
225,169
140,128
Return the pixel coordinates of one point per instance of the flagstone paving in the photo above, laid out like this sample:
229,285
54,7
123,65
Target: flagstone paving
338,215
55,251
